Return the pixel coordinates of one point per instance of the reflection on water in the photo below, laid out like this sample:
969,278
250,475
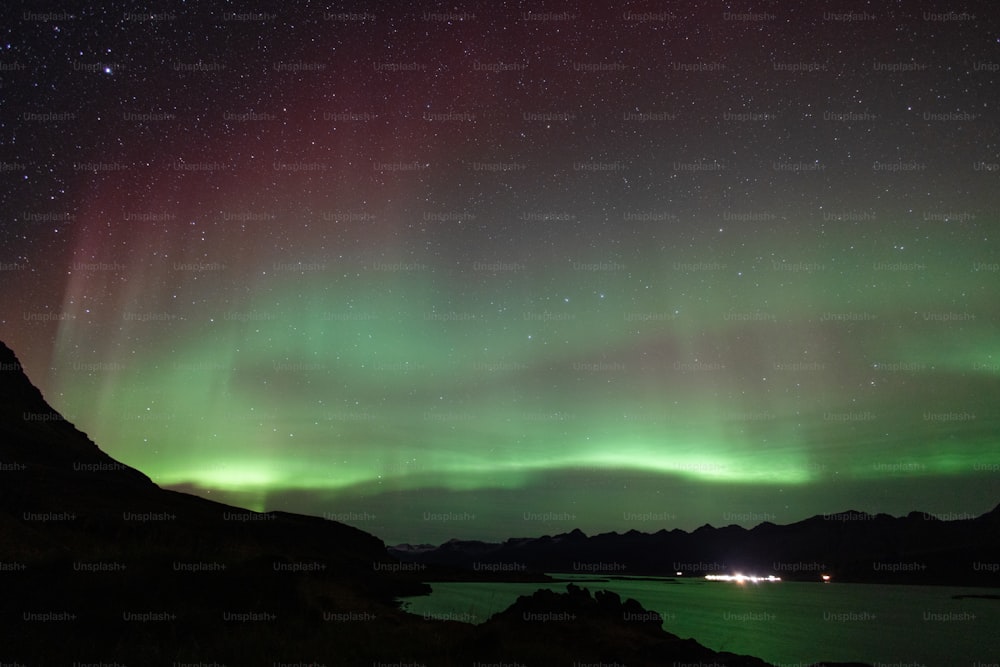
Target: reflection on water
786,623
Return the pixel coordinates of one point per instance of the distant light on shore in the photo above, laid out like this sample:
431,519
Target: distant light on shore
741,578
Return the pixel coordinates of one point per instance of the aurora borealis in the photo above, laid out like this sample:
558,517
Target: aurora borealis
492,271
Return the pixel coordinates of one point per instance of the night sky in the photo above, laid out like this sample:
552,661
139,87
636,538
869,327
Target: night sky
510,269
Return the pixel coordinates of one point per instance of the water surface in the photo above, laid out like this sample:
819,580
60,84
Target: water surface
786,623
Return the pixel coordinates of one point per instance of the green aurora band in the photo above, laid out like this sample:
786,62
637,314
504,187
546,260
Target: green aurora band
337,383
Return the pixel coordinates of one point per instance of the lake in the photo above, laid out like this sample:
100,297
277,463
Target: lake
790,624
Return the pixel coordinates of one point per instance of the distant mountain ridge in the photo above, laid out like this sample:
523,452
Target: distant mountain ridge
848,546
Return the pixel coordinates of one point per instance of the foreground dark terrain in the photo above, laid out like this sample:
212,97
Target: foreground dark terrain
100,565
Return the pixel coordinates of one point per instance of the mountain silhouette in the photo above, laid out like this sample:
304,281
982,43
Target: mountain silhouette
100,565
849,546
